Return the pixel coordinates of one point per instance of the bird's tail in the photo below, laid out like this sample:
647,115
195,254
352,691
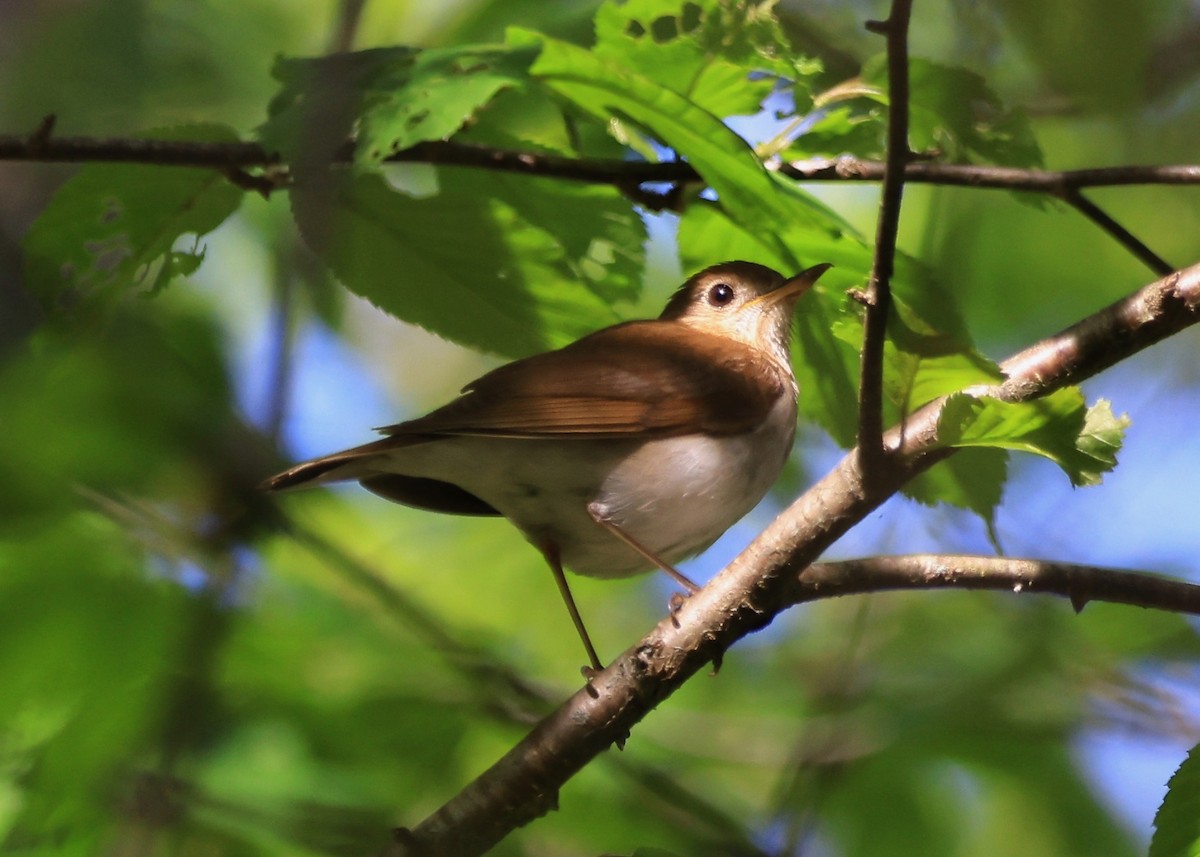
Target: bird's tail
338,467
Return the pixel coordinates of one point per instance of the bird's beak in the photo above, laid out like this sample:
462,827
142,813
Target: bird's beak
797,285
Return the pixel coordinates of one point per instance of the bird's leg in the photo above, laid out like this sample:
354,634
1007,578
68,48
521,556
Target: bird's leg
596,511
550,552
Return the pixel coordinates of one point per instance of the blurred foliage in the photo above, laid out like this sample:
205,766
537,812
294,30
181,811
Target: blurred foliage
192,668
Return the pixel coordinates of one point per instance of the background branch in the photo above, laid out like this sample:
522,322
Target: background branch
1079,583
1123,236
235,159
38,147
757,585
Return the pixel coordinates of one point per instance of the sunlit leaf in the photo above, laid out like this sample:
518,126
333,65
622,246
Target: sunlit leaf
390,98
725,160
1082,441
841,130
508,267
705,50
953,111
971,479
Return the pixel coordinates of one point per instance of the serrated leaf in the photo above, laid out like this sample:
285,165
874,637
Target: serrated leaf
611,93
841,130
389,98
705,50
928,353
601,236
521,118
1082,441
972,479
318,105
1101,438
479,263
442,91
955,112
1177,822
108,226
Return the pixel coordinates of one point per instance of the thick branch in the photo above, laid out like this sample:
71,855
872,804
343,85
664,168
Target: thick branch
878,298
760,582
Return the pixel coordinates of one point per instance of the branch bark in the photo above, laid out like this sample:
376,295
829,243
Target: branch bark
762,581
236,160
878,297
1078,583
45,148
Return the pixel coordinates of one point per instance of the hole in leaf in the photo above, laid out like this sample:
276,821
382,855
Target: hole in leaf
664,29
112,210
691,18
634,29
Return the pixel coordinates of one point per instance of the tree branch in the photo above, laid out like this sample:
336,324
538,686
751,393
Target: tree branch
878,297
761,581
1123,236
1052,182
42,147
236,159
1078,583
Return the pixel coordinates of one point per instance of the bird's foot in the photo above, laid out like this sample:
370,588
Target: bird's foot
589,674
675,604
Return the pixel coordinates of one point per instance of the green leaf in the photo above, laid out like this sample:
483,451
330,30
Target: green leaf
108,227
443,90
705,50
507,265
955,112
727,163
1100,441
600,235
522,118
390,98
841,130
972,479
1082,441
928,353
1177,822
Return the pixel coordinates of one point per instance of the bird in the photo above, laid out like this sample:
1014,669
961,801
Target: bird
634,447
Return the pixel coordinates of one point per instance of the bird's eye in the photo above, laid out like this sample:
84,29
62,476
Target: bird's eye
720,294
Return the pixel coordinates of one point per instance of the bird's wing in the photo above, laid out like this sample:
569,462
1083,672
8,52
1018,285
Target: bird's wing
665,380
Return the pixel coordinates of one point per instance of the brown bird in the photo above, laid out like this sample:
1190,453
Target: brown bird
634,447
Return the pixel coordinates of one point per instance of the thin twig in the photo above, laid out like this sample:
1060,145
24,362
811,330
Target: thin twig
878,297
1053,182
39,147
1122,235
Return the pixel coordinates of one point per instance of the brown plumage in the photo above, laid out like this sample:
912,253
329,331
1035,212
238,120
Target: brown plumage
635,446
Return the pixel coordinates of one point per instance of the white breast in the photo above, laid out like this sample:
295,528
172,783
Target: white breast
675,496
